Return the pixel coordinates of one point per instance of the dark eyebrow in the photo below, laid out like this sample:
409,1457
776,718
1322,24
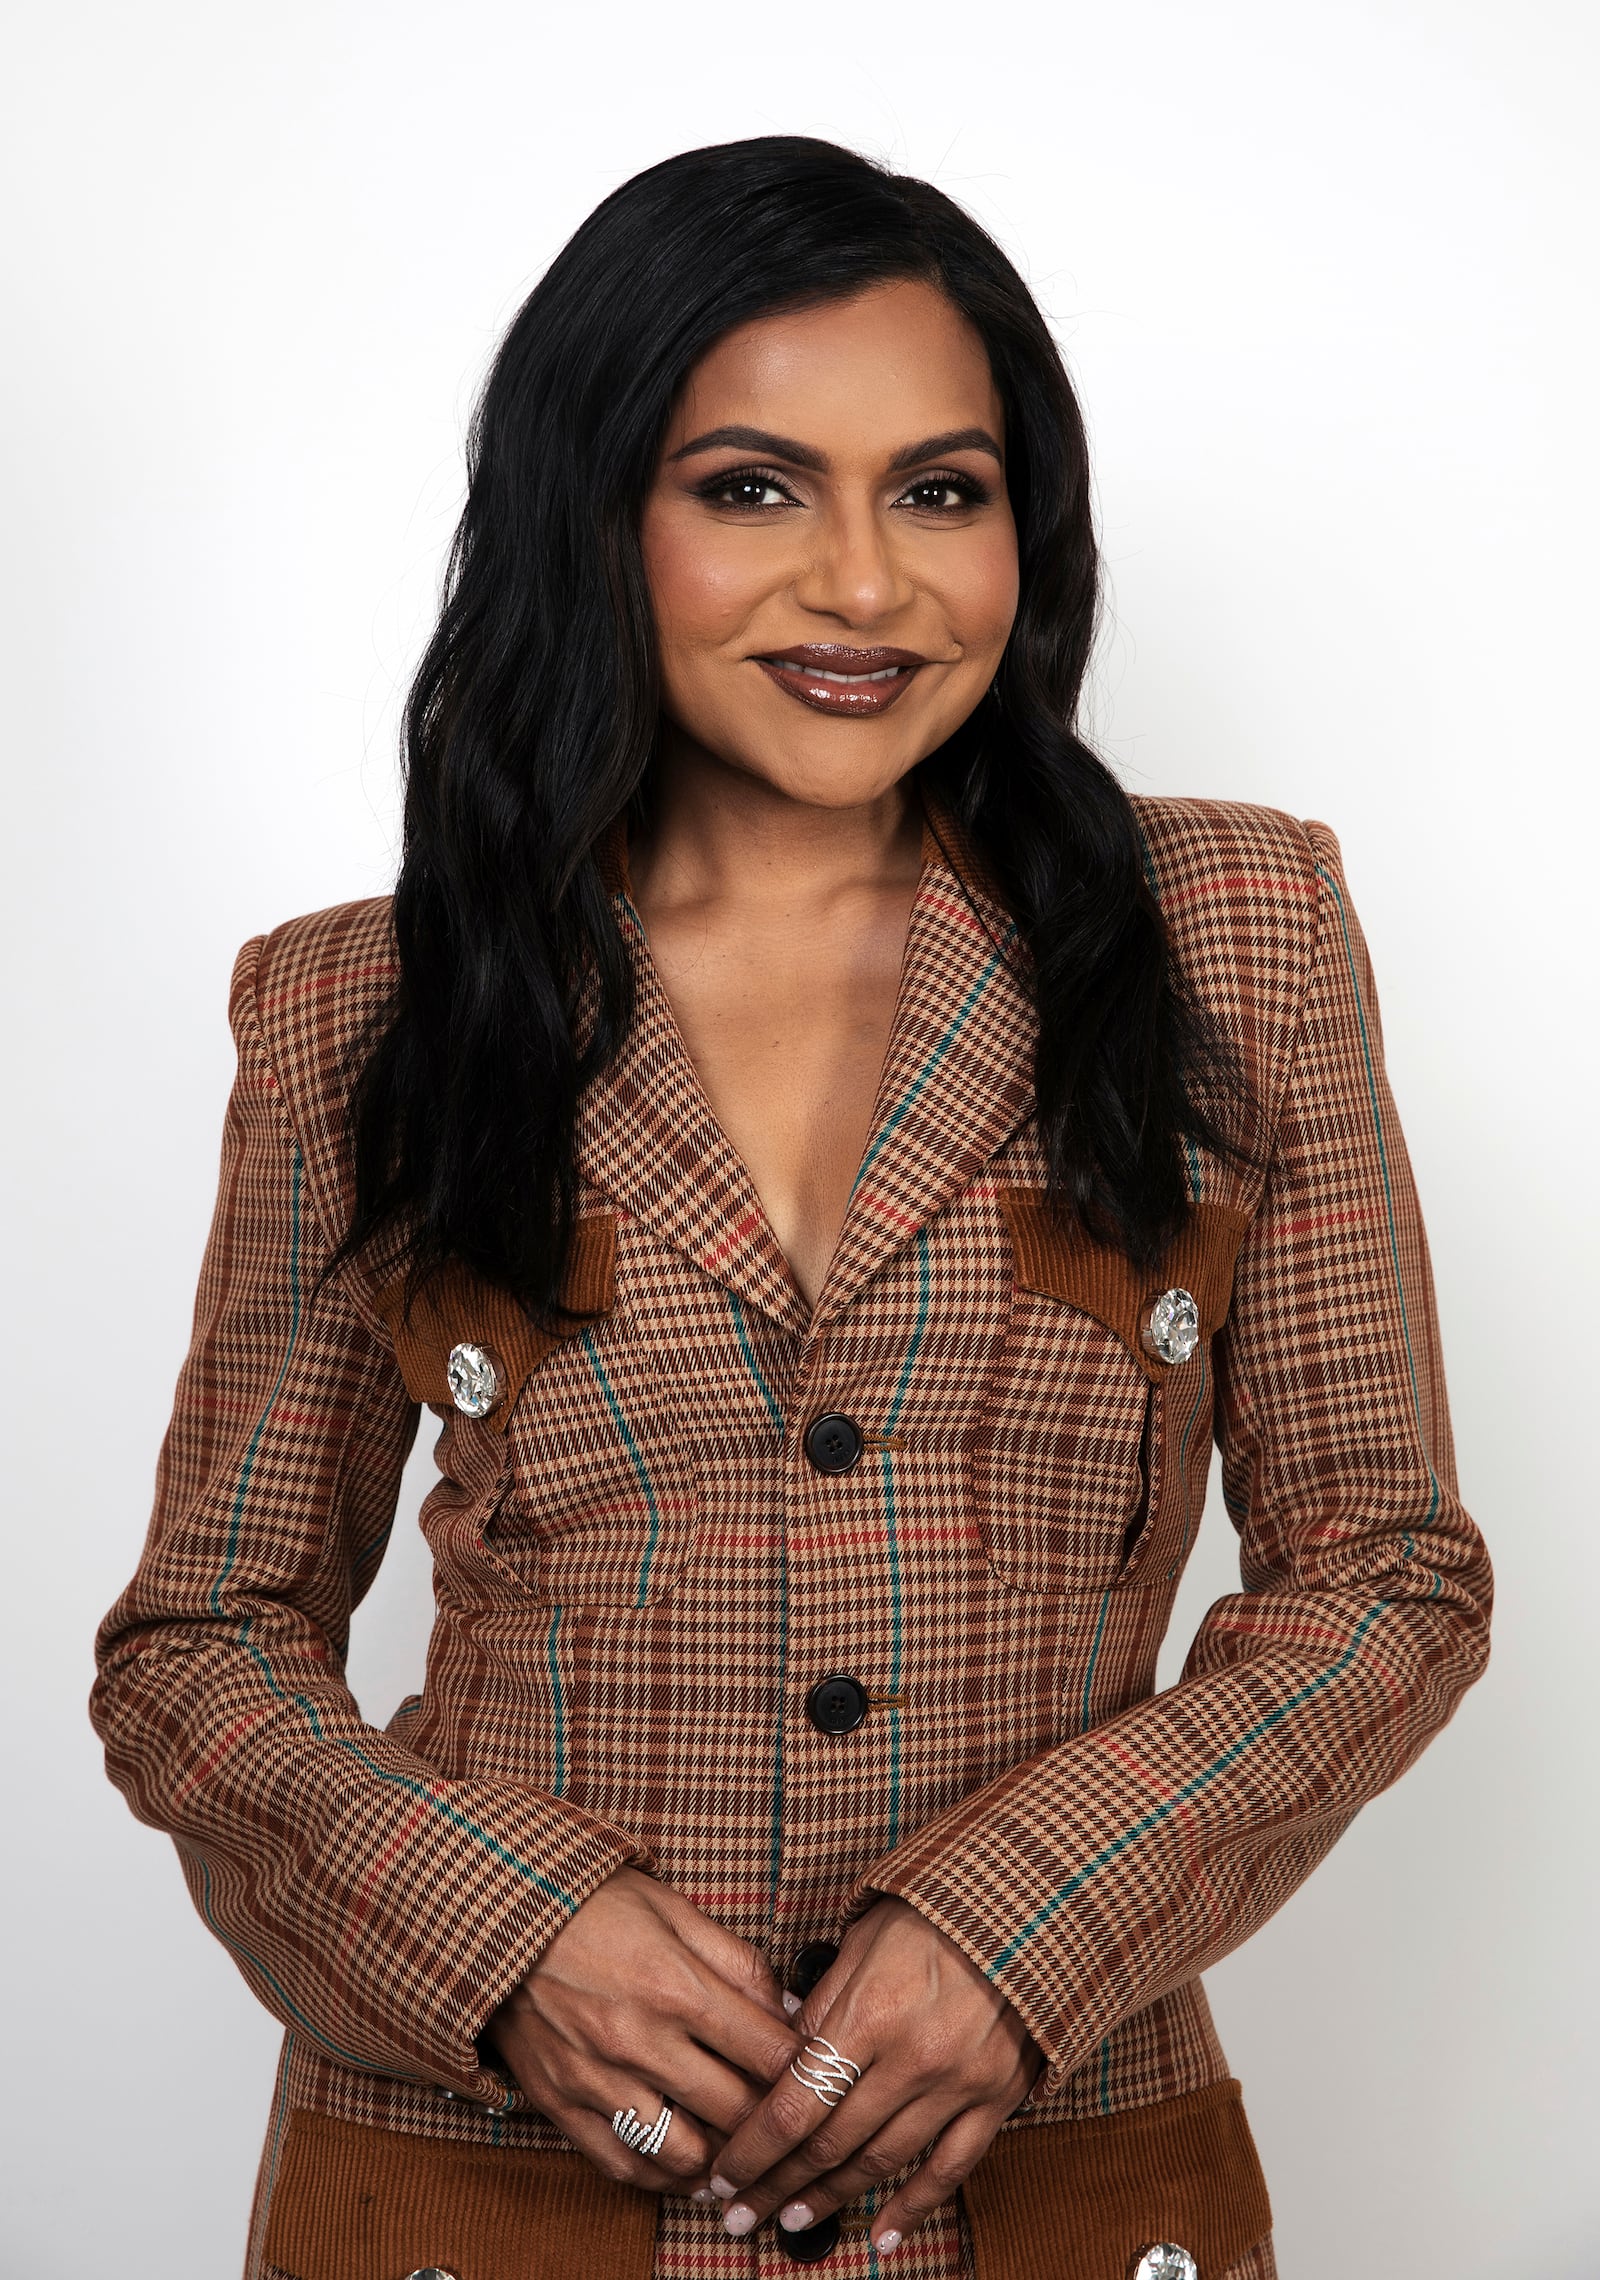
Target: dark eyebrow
802,455
941,446
755,439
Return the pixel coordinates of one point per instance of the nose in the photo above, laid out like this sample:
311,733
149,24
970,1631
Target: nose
853,571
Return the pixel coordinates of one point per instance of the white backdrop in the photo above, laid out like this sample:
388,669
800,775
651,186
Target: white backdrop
1325,274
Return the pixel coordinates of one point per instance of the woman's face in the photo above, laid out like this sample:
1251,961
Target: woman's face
829,543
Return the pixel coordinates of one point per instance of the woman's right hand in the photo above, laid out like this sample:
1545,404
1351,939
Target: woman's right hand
642,1997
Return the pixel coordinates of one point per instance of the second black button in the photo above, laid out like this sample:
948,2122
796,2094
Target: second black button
807,1965
833,1442
837,1705
812,2245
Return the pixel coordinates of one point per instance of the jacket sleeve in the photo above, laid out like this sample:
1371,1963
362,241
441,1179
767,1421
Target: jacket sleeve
377,1908
1096,1877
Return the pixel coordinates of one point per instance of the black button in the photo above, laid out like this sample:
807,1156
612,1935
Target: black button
808,1964
833,1442
837,1705
812,2245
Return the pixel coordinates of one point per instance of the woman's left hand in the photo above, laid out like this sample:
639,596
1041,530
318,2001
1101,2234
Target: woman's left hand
944,2059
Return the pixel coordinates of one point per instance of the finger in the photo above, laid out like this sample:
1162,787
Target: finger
949,2161
828,1988
593,2135
716,2093
744,2031
690,2016
707,2100
687,2147
902,2140
793,2137
567,2083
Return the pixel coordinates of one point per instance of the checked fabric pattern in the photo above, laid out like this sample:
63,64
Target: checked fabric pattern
639,1576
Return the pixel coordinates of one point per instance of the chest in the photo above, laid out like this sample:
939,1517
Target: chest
786,1026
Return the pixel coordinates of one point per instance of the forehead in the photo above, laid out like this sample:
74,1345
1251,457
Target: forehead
896,361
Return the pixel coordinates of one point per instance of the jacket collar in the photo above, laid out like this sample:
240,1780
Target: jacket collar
957,1080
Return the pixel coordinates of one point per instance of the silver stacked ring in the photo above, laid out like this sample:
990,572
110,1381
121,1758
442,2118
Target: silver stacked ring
829,2073
638,2136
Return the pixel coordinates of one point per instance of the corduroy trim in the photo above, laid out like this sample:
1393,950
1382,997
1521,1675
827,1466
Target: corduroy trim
354,2203
456,1306
1064,1262
1079,2200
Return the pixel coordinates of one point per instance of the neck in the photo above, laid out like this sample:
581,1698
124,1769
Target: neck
721,836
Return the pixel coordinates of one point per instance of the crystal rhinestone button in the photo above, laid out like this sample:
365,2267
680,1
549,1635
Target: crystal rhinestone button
1163,2262
1171,1332
476,1379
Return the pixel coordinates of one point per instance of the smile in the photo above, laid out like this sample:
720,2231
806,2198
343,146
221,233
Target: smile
847,680
852,684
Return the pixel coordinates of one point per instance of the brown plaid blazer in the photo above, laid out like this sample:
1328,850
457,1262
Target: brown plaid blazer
639,1576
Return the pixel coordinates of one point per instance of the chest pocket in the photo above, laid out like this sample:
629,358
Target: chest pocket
597,1492
1069,1465
603,1494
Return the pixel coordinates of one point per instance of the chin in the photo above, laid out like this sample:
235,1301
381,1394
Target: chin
844,779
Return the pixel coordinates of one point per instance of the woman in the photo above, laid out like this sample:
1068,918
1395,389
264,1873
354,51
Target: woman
829,1160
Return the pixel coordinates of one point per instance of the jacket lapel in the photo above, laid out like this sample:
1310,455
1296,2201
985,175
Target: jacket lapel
956,1082
958,1073
646,1135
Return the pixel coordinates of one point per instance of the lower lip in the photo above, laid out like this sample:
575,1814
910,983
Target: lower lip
846,700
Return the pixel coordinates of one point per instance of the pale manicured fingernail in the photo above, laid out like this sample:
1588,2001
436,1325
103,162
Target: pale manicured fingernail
791,2003
702,2194
796,2217
722,2189
739,2219
887,2243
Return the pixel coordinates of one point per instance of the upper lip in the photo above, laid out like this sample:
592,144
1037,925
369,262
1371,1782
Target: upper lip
836,657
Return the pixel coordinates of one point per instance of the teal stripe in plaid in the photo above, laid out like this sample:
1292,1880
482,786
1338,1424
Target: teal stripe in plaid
558,1720
254,1965
891,1540
769,1399
924,1076
641,1469
1188,1790
769,1402
447,1812
1084,1711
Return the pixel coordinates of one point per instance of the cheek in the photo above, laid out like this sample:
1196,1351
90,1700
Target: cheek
702,588
980,592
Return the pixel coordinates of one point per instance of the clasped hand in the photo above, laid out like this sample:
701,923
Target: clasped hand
642,1998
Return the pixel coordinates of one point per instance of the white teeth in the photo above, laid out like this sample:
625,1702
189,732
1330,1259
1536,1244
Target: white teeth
846,680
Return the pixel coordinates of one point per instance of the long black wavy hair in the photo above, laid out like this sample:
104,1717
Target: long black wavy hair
530,726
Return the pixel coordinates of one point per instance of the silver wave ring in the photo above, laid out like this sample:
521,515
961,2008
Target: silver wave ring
641,2137
825,2070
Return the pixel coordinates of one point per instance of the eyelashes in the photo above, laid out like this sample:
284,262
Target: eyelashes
958,489
969,492
720,490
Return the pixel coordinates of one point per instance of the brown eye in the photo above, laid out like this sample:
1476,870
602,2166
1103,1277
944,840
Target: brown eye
747,489
942,495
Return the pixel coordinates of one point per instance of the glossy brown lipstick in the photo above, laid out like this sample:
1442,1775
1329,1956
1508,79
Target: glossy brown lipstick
830,677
